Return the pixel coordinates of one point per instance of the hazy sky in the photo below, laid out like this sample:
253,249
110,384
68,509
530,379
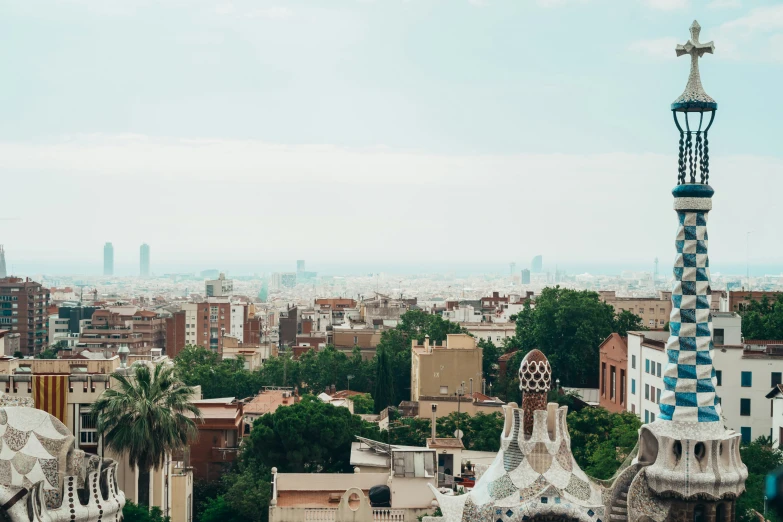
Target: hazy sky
360,131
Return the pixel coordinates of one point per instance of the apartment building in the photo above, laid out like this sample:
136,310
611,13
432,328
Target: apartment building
220,287
744,375
654,311
23,310
139,330
209,323
438,371
495,332
220,432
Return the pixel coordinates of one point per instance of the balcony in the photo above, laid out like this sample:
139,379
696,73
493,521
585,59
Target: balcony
378,515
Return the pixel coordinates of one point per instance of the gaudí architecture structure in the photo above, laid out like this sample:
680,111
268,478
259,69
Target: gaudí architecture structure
686,466
44,478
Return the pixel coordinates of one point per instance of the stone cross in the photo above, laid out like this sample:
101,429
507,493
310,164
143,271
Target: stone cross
694,92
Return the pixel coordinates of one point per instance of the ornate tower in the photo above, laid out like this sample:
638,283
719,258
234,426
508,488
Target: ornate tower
692,467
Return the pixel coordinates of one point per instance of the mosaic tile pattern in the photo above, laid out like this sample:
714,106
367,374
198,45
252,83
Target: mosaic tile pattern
689,379
37,453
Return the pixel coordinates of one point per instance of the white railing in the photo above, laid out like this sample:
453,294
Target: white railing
320,514
388,515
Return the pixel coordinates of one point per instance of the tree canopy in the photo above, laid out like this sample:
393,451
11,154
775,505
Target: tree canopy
568,326
762,319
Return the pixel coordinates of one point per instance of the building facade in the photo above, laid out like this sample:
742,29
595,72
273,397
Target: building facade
613,355
441,370
220,287
24,310
653,311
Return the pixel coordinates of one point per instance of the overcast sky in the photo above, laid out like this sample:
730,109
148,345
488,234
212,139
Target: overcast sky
386,131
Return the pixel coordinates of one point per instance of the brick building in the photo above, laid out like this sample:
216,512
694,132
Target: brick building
736,301
208,323
614,373
219,435
24,310
140,330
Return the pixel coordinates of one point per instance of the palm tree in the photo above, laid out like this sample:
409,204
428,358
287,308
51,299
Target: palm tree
146,417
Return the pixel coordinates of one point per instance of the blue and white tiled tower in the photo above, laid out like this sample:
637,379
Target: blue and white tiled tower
689,380
689,462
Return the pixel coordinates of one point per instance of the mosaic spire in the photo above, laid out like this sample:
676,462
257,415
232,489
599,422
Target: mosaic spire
689,379
535,381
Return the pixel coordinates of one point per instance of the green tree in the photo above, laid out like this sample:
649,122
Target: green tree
47,354
626,321
307,437
762,319
601,440
568,326
218,510
384,381
363,404
146,418
135,513
761,458
197,365
489,360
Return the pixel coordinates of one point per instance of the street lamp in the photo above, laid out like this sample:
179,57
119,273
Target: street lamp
349,377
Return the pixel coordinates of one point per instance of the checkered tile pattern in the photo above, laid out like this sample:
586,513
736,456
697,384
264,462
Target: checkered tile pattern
689,379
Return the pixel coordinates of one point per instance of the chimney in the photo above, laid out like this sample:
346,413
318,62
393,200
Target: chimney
334,389
427,344
434,409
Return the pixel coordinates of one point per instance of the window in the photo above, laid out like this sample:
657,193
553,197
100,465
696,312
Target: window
633,362
647,366
622,387
646,416
444,390
747,379
745,407
718,336
719,376
658,396
745,431
652,417
776,378
658,367
88,433
633,386
613,383
603,379
647,391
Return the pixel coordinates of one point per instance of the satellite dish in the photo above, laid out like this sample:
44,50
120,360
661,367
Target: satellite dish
458,434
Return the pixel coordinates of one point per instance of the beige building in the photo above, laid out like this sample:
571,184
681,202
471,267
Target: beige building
439,371
654,311
171,487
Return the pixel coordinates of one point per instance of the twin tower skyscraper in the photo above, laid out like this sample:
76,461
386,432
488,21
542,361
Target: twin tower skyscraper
144,260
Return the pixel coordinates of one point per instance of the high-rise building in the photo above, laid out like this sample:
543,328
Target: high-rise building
537,265
525,276
2,263
144,260
23,310
108,259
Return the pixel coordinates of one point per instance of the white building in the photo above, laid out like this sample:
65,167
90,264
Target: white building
495,332
744,376
463,314
58,329
238,318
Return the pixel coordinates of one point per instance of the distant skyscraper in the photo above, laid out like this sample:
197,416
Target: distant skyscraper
300,266
2,263
144,260
108,259
537,265
525,276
